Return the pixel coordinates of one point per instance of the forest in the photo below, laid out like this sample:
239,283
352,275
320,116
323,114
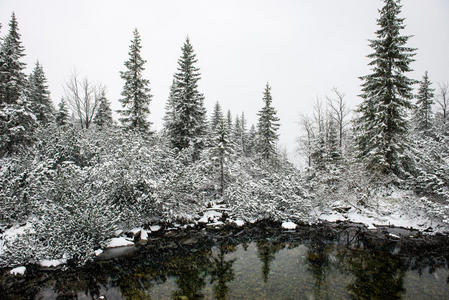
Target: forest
72,175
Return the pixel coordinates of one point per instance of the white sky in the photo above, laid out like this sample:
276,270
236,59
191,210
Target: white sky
303,48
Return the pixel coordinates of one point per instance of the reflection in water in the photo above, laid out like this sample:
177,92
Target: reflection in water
313,268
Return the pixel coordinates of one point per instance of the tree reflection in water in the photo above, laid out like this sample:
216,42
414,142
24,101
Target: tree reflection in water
327,268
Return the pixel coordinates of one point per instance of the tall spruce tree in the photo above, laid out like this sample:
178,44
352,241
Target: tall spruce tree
222,150
382,125
216,117
39,96
12,77
17,120
103,118
136,93
170,113
62,115
267,127
422,114
251,141
189,126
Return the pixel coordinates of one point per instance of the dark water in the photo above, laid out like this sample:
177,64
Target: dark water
276,267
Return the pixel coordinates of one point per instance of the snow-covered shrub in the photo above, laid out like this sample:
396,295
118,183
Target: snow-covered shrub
22,179
74,217
182,192
431,155
257,194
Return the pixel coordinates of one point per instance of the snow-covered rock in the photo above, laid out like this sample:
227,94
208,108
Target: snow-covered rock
239,222
18,271
135,231
52,263
289,225
155,228
143,235
119,242
210,215
98,252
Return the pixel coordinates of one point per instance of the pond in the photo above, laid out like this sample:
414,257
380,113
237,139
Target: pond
253,264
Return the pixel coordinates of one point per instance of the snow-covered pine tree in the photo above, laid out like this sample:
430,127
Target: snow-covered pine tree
319,150
136,93
189,126
12,77
229,119
237,135
62,115
17,120
170,113
422,115
103,118
244,134
382,125
267,128
333,143
252,141
216,117
39,96
222,150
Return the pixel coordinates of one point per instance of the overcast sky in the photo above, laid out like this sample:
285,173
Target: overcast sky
302,48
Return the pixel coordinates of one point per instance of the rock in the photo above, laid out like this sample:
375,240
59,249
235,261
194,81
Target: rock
18,271
119,242
189,241
289,225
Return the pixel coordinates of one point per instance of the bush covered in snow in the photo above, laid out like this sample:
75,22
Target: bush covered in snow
259,193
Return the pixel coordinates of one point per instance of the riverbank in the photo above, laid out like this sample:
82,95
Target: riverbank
182,252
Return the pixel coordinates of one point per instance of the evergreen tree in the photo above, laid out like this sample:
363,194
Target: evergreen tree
382,125
252,141
39,96
267,127
423,111
319,152
222,150
103,118
12,77
189,126
244,134
136,93
17,120
62,116
333,143
229,120
216,117
237,135
170,113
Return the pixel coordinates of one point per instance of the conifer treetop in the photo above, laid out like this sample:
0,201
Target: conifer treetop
136,95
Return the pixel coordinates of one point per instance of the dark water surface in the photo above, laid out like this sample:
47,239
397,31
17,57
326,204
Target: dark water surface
311,265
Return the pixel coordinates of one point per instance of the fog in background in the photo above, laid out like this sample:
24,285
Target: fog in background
302,48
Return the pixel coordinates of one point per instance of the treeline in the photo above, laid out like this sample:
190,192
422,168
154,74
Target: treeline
76,175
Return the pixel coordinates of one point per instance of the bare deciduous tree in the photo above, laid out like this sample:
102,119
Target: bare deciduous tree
339,112
443,100
83,98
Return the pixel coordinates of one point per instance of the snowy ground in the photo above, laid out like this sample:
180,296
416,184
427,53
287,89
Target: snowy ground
400,209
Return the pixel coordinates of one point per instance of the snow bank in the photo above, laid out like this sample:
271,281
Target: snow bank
51,263
18,271
119,242
288,225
